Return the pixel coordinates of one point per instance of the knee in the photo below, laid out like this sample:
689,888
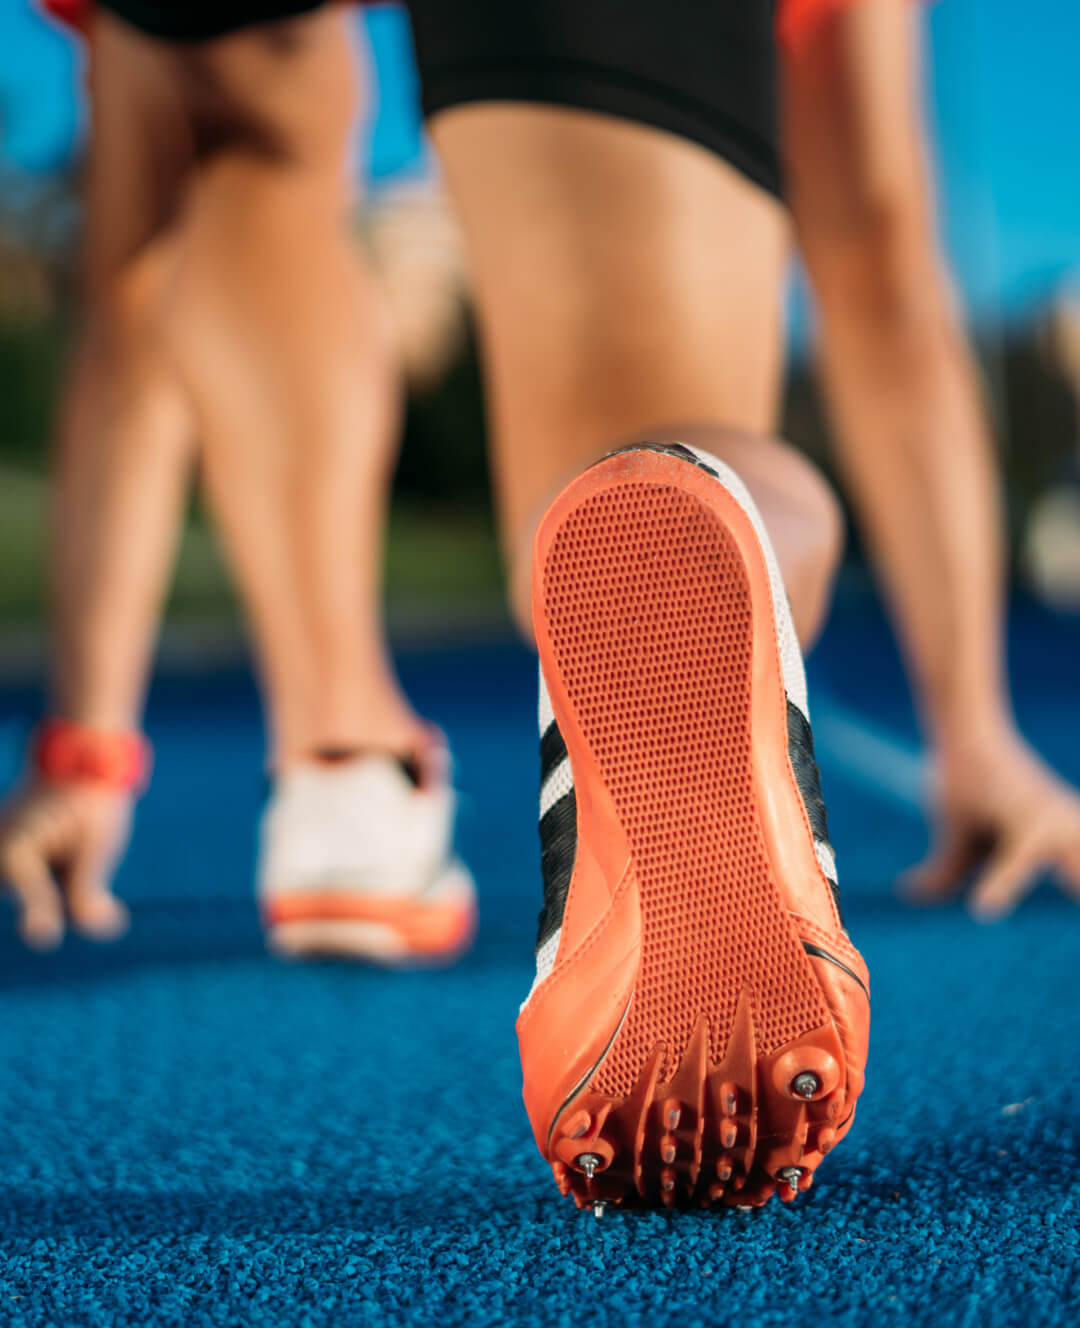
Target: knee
126,371
125,405
804,516
826,517
128,312
820,550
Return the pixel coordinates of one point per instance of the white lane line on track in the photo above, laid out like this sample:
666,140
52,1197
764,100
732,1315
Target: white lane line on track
880,761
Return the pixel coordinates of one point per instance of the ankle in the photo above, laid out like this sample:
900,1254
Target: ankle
392,728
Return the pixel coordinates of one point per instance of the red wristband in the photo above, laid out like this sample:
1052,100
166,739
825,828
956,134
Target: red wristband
66,752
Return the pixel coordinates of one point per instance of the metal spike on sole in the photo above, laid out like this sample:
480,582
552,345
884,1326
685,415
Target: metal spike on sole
589,1162
805,1084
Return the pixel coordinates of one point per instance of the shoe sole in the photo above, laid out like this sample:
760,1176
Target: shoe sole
658,641
347,925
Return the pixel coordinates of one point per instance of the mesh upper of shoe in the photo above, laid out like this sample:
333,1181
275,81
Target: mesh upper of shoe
358,825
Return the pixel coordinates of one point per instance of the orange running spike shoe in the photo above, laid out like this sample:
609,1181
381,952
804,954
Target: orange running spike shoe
356,860
698,1026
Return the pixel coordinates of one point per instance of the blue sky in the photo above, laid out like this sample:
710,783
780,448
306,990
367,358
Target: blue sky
1004,97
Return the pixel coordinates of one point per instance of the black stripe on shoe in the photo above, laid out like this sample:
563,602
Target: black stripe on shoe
807,774
808,779
558,850
552,751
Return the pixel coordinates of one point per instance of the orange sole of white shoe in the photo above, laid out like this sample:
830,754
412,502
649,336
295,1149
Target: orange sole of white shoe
306,925
656,633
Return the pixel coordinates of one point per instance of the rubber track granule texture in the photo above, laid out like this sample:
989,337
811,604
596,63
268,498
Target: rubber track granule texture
649,611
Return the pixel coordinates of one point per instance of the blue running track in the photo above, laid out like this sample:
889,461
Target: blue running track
196,1135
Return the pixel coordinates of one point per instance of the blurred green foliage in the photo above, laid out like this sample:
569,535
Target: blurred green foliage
32,355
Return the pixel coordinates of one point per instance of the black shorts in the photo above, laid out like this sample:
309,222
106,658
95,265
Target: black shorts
701,69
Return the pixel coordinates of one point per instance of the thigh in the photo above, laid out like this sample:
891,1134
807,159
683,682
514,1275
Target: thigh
140,153
162,109
284,91
615,169
625,278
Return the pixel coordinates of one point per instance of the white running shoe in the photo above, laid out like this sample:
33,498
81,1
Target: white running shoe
356,860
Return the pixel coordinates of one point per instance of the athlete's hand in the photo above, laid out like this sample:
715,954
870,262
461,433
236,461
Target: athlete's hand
59,847
1005,819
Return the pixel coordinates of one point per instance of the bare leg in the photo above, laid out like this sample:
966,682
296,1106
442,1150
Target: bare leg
280,337
127,436
125,446
911,432
611,312
914,439
269,355
260,329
